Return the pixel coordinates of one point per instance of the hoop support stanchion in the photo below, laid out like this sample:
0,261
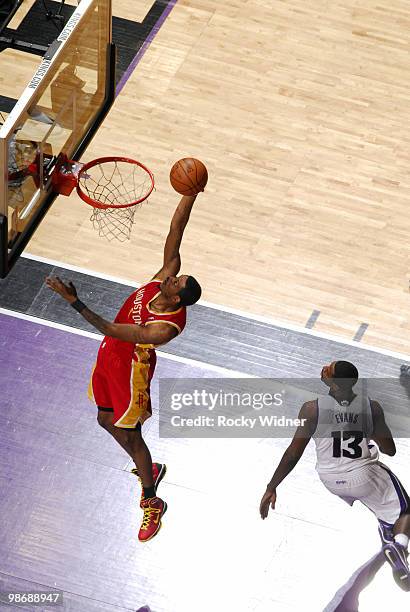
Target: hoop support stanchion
3,242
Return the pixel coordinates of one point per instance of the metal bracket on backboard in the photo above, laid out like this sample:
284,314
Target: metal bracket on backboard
49,54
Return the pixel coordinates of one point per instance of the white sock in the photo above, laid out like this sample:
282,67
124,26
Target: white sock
402,539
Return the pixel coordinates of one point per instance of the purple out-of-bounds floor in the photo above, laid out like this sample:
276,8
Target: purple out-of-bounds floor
69,512
68,503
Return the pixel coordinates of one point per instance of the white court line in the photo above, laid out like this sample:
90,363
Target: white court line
235,311
98,337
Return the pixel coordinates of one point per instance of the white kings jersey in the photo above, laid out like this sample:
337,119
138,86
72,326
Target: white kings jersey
342,435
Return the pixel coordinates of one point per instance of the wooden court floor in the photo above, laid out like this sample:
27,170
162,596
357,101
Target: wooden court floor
301,112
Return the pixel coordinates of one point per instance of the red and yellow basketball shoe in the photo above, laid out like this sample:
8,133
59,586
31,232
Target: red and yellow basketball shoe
158,473
154,509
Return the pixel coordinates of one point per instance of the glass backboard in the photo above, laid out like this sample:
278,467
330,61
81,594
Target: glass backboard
58,112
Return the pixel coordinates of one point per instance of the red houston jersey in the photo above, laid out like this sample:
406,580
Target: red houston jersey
136,309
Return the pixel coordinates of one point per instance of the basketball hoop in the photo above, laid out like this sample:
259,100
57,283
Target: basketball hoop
114,186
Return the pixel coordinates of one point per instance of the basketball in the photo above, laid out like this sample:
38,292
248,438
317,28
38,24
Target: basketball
188,176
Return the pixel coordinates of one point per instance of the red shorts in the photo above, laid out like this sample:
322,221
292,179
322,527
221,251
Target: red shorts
124,386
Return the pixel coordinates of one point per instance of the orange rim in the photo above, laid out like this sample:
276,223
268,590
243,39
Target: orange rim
101,160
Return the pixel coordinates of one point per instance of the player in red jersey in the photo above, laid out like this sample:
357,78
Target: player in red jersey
120,384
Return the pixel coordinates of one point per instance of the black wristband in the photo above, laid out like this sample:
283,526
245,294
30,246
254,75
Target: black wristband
78,305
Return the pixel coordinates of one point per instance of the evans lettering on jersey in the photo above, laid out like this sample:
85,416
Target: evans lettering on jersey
342,435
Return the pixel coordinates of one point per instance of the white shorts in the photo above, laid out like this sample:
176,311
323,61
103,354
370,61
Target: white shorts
375,486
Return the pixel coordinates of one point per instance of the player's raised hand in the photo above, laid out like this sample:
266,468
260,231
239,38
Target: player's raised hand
68,292
268,499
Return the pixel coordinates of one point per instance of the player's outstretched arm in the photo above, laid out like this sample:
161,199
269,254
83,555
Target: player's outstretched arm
291,456
381,432
156,334
172,258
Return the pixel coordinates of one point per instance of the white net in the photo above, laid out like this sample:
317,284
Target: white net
114,224
120,186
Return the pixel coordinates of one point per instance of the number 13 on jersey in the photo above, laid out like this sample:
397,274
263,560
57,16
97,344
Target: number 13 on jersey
347,444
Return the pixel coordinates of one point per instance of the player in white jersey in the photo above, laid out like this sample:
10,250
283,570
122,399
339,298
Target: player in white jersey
343,426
